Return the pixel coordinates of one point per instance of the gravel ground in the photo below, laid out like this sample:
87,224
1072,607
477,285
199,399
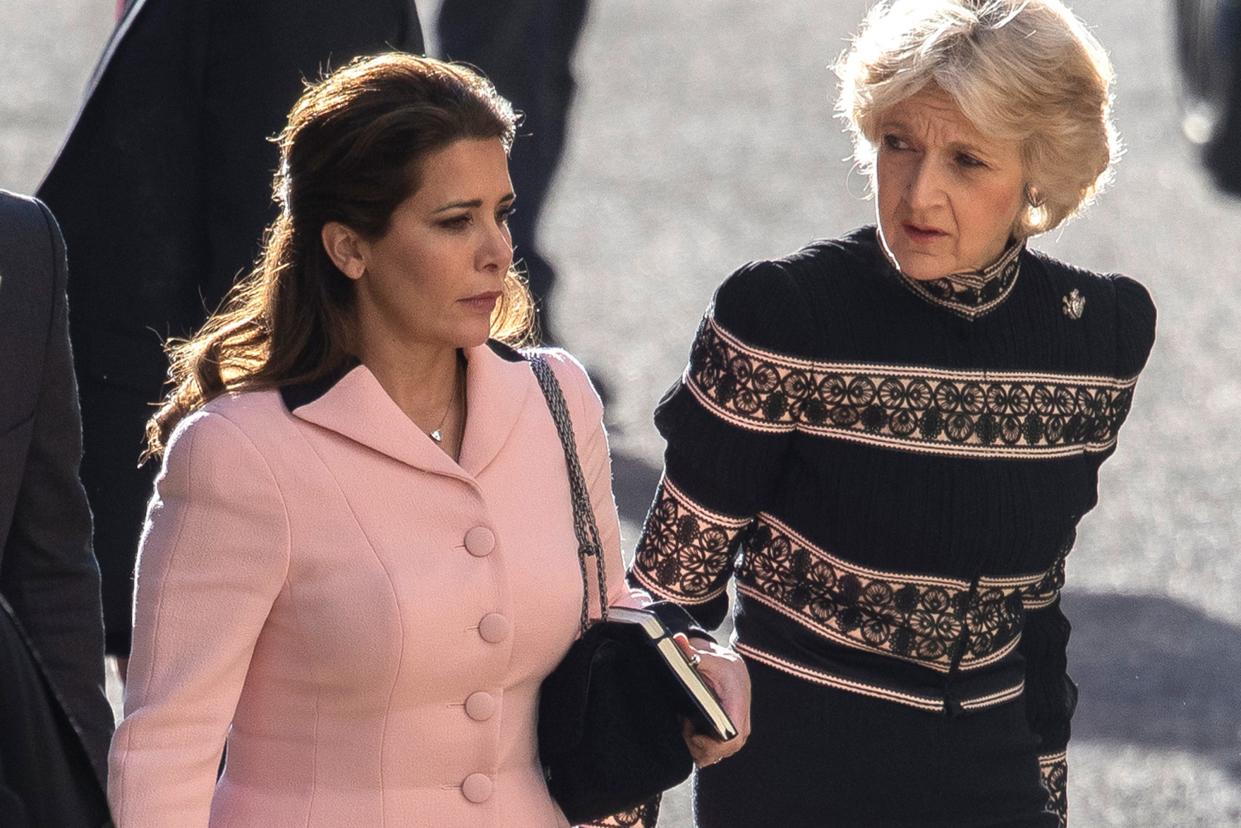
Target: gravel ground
703,137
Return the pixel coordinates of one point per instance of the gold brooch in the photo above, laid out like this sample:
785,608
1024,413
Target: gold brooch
1074,305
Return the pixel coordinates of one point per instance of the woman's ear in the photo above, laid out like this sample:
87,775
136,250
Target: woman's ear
345,248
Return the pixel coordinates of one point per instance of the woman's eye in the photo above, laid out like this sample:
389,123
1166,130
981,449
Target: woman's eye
894,142
455,222
505,214
967,160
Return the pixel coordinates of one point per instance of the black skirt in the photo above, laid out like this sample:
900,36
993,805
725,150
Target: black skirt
817,756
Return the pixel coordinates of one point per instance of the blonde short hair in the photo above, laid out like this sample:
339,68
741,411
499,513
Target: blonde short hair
1027,70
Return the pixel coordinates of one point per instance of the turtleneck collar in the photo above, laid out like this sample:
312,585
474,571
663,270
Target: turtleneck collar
969,293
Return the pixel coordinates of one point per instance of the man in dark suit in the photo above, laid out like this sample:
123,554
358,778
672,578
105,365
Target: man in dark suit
163,189
55,722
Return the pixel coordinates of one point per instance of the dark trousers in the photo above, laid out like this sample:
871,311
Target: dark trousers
819,757
526,48
45,776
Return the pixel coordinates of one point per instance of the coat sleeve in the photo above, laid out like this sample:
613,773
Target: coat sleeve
729,422
213,559
50,575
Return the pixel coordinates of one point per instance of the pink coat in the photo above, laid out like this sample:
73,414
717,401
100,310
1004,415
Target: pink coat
365,621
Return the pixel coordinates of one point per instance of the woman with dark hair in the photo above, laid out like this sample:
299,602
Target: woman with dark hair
889,438
360,562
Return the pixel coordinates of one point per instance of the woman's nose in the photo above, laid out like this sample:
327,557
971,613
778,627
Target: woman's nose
924,189
496,249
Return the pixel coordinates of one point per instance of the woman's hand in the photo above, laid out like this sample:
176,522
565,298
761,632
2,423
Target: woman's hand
725,672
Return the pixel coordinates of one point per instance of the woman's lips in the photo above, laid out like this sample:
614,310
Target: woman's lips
922,235
482,302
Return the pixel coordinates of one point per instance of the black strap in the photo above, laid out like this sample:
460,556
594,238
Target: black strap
584,525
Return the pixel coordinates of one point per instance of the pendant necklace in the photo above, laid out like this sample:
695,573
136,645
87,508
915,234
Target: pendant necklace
438,434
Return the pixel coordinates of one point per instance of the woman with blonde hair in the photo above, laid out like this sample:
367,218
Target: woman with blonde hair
887,440
360,561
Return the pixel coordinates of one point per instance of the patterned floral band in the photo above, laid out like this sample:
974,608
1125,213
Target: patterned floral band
687,552
969,294
976,413
1054,773
916,618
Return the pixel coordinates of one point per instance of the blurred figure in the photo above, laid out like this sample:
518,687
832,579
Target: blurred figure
163,190
1209,52
55,722
525,47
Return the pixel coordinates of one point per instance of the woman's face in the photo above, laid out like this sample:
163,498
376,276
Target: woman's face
436,275
948,195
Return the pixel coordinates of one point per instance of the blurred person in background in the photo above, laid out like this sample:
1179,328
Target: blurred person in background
526,48
1208,46
888,440
54,719
360,560
162,189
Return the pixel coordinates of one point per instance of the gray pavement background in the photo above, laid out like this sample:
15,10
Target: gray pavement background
703,137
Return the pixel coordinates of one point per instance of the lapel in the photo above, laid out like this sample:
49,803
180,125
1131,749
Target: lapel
497,384
498,381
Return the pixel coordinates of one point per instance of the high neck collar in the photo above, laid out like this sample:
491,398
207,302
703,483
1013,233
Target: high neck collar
969,293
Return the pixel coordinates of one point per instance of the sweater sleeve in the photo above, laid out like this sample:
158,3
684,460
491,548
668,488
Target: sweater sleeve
1135,326
1134,334
1051,695
728,422
213,558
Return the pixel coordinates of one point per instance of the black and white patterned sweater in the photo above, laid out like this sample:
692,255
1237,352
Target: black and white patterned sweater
893,471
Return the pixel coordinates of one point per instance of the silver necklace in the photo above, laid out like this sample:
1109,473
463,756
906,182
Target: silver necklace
438,434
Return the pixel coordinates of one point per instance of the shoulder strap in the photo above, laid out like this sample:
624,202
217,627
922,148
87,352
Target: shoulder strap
584,525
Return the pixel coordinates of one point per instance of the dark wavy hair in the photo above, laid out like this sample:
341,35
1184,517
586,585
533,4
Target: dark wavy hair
351,152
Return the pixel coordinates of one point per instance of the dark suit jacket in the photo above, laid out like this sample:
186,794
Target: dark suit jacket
55,722
163,188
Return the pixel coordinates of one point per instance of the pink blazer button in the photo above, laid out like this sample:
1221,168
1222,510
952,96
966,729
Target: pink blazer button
480,706
480,541
477,787
494,628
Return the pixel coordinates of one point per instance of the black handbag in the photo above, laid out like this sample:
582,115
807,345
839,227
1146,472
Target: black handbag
609,723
